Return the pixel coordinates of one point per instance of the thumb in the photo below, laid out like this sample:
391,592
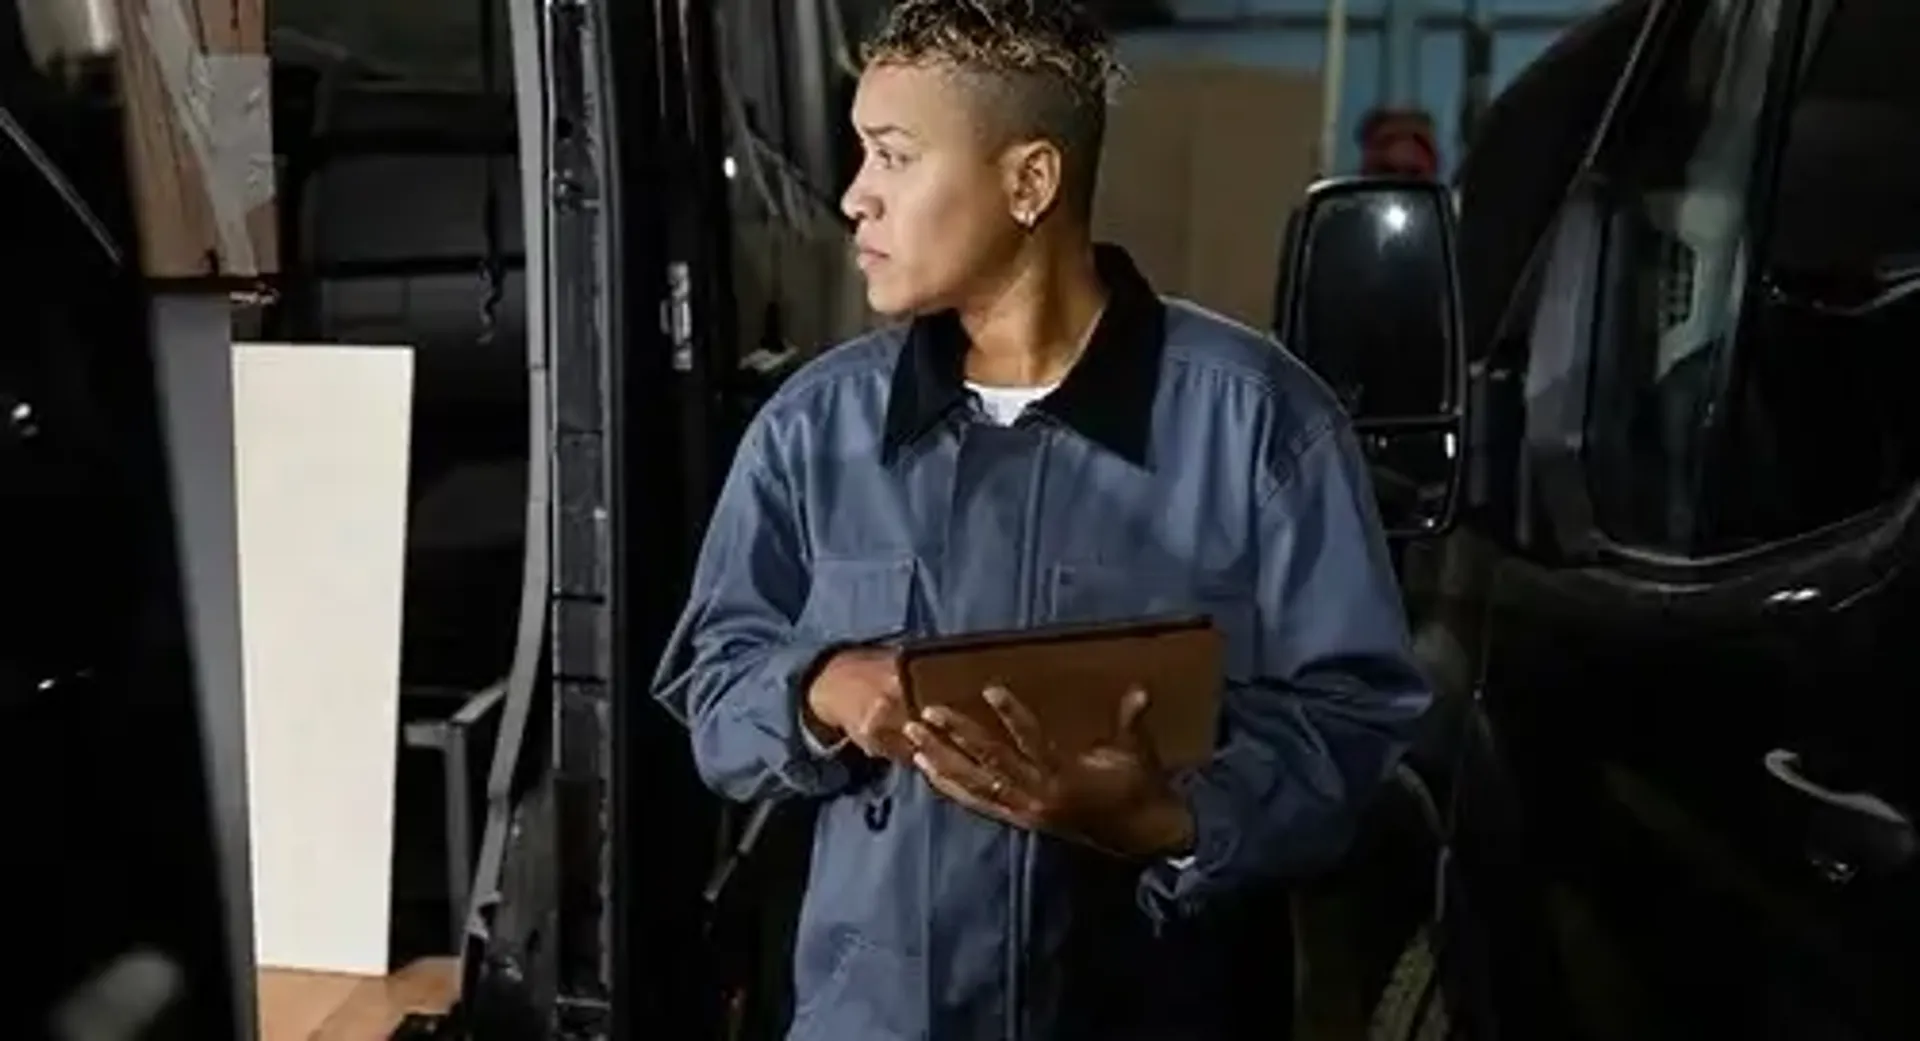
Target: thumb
1133,711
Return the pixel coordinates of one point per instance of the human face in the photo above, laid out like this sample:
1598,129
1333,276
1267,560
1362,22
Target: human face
932,202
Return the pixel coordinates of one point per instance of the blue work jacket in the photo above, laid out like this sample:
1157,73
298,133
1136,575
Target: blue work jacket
1186,464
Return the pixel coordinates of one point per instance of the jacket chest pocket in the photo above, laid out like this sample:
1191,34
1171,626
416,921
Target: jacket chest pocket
859,600
1082,593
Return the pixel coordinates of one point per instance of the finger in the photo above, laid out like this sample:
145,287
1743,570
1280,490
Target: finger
891,726
1133,711
883,734
934,750
958,791
1020,722
889,744
935,754
974,788
983,746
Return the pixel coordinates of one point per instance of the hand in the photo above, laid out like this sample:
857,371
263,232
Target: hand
857,695
1114,797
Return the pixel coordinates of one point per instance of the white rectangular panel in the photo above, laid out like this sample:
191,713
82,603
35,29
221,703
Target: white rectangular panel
321,449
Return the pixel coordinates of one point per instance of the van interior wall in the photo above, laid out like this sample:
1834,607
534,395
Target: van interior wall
395,246
388,117
787,80
796,287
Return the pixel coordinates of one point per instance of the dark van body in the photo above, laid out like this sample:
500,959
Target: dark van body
1680,784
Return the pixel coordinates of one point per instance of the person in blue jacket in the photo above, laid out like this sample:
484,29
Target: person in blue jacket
1044,439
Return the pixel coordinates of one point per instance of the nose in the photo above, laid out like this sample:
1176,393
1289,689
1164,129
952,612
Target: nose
857,203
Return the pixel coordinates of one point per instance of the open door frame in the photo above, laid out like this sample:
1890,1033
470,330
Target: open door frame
585,920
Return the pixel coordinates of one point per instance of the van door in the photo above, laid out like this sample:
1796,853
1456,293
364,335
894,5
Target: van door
1714,718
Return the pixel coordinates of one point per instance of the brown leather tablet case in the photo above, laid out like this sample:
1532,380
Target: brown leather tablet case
1073,679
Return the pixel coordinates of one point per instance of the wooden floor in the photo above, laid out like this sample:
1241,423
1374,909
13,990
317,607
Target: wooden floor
318,1006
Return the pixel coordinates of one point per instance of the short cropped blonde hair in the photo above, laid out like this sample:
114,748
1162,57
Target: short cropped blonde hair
1045,69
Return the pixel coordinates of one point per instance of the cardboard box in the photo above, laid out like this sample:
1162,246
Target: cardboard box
1202,165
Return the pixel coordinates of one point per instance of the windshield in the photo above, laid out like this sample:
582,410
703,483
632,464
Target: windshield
1688,452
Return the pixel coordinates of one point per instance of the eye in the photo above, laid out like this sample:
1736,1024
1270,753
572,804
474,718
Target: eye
888,158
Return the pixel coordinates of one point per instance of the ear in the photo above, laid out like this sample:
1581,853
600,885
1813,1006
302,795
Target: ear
1031,172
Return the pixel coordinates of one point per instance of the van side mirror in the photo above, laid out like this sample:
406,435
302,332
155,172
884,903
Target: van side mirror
1370,300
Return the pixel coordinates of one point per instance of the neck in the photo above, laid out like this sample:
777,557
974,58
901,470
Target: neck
1030,329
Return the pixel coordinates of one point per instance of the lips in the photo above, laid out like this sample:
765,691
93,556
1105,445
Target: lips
866,257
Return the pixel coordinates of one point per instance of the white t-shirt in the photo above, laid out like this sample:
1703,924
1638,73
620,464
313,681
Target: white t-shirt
1003,405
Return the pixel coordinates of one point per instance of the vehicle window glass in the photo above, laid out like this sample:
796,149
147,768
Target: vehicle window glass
1677,251
1815,430
1828,420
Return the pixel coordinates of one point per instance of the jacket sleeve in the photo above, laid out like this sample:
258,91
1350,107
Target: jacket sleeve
736,668
1338,697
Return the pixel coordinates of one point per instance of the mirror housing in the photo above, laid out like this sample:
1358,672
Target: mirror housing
1369,299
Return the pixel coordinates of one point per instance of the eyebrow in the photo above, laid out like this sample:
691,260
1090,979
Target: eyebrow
884,130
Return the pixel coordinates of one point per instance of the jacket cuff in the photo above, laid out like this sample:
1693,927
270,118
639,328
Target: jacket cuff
814,745
1179,887
776,713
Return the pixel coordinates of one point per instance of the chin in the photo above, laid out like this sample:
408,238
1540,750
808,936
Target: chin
889,302
885,306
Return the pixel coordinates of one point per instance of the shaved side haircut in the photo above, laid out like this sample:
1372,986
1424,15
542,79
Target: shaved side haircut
1042,70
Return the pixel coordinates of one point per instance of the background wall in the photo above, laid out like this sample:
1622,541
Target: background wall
1292,33
435,41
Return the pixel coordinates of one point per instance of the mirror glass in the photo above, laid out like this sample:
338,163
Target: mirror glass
1374,316
1413,477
